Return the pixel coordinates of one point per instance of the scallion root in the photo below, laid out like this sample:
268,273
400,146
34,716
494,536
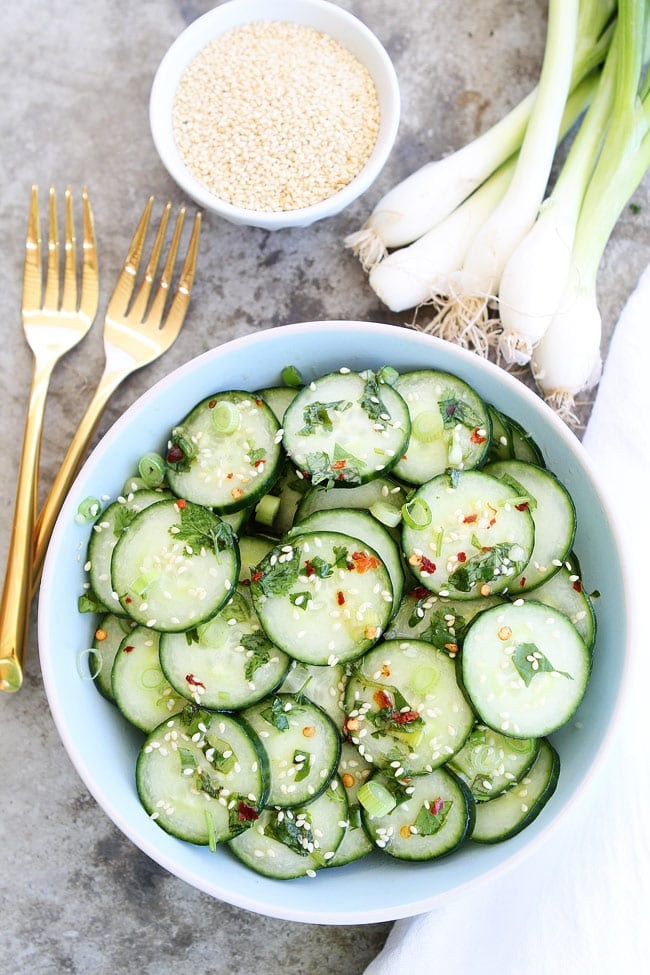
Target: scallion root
464,320
367,245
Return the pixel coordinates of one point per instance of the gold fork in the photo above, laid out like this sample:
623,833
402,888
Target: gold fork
53,323
139,327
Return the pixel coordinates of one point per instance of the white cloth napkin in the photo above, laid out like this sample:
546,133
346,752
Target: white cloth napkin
581,904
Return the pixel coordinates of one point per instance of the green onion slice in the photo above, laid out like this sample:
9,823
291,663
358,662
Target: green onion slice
386,513
427,426
290,376
416,513
225,417
152,469
375,798
266,509
88,510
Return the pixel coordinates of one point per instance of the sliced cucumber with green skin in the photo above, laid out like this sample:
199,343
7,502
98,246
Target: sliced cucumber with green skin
287,843
303,745
106,642
226,663
501,447
362,525
423,615
202,777
565,591
502,818
467,535
323,597
405,710
278,398
524,447
352,773
382,497
346,428
226,452
275,512
489,763
176,566
432,817
115,519
140,688
554,517
525,668
450,425
325,686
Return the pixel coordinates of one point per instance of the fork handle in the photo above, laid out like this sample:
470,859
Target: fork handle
67,472
16,596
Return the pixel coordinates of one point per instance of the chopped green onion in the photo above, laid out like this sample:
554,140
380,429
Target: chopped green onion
387,375
133,484
152,678
416,513
88,510
386,513
375,798
225,417
152,469
291,376
427,426
266,510
94,664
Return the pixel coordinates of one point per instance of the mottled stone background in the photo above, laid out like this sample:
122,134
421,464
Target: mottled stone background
75,896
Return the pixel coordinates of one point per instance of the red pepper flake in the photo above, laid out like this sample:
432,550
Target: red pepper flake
470,519
522,581
260,462
426,565
577,585
212,404
256,575
492,522
462,557
383,700
309,568
175,454
229,475
477,435
181,503
193,681
258,402
522,507
338,465
127,599
404,717
420,592
340,598
436,806
128,649
246,813
363,562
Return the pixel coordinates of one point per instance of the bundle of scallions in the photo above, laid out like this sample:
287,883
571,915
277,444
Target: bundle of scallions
499,258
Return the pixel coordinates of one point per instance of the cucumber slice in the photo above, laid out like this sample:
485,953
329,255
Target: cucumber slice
346,428
325,686
433,816
405,710
470,538
525,668
303,746
227,463
502,818
501,447
524,447
450,425
565,591
140,688
380,492
115,519
106,642
226,663
554,517
175,567
353,772
323,597
489,763
360,524
278,398
422,615
202,777
252,549
288,843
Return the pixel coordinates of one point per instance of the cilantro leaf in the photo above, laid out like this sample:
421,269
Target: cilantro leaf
124,515
276,715
529,661
371,400
300,599
259,649
277,572
201,528
317,415
454,410
89,602
299,838
432,816
484,566
324,470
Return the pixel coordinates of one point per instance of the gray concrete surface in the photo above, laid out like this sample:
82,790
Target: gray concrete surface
75,895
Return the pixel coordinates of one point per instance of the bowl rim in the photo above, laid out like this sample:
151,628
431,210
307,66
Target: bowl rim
201,31
49,610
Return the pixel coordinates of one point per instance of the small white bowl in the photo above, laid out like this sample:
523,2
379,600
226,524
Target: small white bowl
104,749
324,17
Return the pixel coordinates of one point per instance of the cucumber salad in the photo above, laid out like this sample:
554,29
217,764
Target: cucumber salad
346,617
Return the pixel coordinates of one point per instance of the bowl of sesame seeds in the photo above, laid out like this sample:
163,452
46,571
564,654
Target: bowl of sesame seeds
104,747
275,113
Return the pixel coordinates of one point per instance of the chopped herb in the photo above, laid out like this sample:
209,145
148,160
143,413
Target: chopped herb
323,470
302,760
188,761
438,630
300,599
192,636
371,400
432,816
454,411
296,836
529,661
219,754
259,649
277,572
317,415
241,815
276,715
201,529
124,515
257,455
485,566
89,602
